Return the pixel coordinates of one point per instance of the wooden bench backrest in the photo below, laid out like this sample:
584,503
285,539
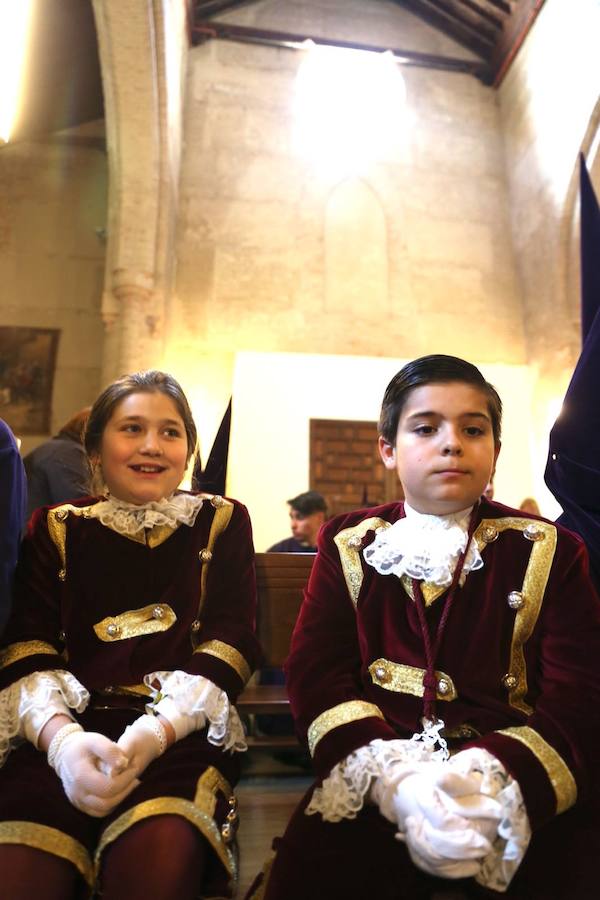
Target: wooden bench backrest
280,580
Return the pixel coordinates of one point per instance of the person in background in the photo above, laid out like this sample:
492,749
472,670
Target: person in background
307,513
57,470
13,496
132,633
529,505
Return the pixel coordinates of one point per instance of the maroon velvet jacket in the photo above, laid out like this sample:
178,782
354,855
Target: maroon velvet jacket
111,609
518,670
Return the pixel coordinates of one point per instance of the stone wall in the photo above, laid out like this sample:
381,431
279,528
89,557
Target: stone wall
52,203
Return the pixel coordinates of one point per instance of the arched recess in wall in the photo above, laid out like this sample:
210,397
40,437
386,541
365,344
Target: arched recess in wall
570,243
356,249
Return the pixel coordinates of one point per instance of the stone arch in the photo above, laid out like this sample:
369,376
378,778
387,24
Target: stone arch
356,248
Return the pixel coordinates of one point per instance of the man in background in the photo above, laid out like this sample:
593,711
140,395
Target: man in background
307,513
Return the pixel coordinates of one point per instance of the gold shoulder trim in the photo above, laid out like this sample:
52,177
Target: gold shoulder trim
223,512
42,837
199,813
227,654
57,528
14,652
403,679
135,622
350,555
558,772
342,714
212,780
543,547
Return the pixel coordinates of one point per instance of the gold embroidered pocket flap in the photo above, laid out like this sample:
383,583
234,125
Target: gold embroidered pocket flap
403,679
136,622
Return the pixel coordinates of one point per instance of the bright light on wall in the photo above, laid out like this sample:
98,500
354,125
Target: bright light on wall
15,19
349,108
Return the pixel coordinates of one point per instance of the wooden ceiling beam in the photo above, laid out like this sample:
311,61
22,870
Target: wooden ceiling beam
514,33
493,18
435,18
503,5
210,30
205,8
465,18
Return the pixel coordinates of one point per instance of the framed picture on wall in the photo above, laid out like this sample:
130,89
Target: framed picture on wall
27,363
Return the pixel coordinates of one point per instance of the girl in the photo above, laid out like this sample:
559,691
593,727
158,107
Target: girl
444,623
131,636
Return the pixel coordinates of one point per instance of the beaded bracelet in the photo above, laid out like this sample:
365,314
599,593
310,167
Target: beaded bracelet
160,733
58,739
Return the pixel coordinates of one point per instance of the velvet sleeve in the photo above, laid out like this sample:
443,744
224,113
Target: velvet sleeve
324,666
226,648
32,640
554,755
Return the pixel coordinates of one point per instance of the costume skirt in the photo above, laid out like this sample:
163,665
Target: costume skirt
193,779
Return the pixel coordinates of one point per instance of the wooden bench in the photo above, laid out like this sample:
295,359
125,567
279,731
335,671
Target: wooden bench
280,580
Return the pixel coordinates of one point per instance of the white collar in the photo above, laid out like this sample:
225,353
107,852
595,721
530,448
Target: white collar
424,547
130,519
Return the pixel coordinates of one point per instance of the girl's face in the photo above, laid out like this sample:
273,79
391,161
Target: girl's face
144,449
444,452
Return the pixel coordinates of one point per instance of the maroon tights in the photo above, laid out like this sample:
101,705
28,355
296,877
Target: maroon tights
161,857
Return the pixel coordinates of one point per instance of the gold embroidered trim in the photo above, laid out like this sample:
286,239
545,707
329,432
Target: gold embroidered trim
430,591
228,654
135,622
212,780
558,772
220,521
42,837
533,588
403,679
199,813
14,652
342,714
350,556
57,528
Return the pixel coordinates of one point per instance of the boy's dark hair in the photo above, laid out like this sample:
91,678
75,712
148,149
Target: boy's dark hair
308,503
434,369
137,383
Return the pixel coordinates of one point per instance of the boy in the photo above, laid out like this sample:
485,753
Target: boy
444,671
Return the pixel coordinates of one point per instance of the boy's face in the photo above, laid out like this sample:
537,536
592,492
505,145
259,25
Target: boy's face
444,453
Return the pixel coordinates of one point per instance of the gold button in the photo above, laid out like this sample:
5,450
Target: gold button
515,600
205,555
62,636
109,690
509,681
113,629
158,612
195,625
443,686
382,675
355,542
217,501
533,533
489,534
227,832
61,514
62,574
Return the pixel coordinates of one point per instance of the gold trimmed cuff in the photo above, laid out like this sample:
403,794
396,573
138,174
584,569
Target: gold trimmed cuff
14,652
342,714
403,679
228,654
199,813
558,772
50,840
136,622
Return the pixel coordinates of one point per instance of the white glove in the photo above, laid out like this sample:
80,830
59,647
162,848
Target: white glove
448,824
93,770
183,723
143,741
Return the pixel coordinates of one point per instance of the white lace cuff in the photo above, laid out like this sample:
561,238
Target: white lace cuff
30,702
514,831
194,694
343,793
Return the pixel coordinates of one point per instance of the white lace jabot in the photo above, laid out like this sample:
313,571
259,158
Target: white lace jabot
424,547
130,519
